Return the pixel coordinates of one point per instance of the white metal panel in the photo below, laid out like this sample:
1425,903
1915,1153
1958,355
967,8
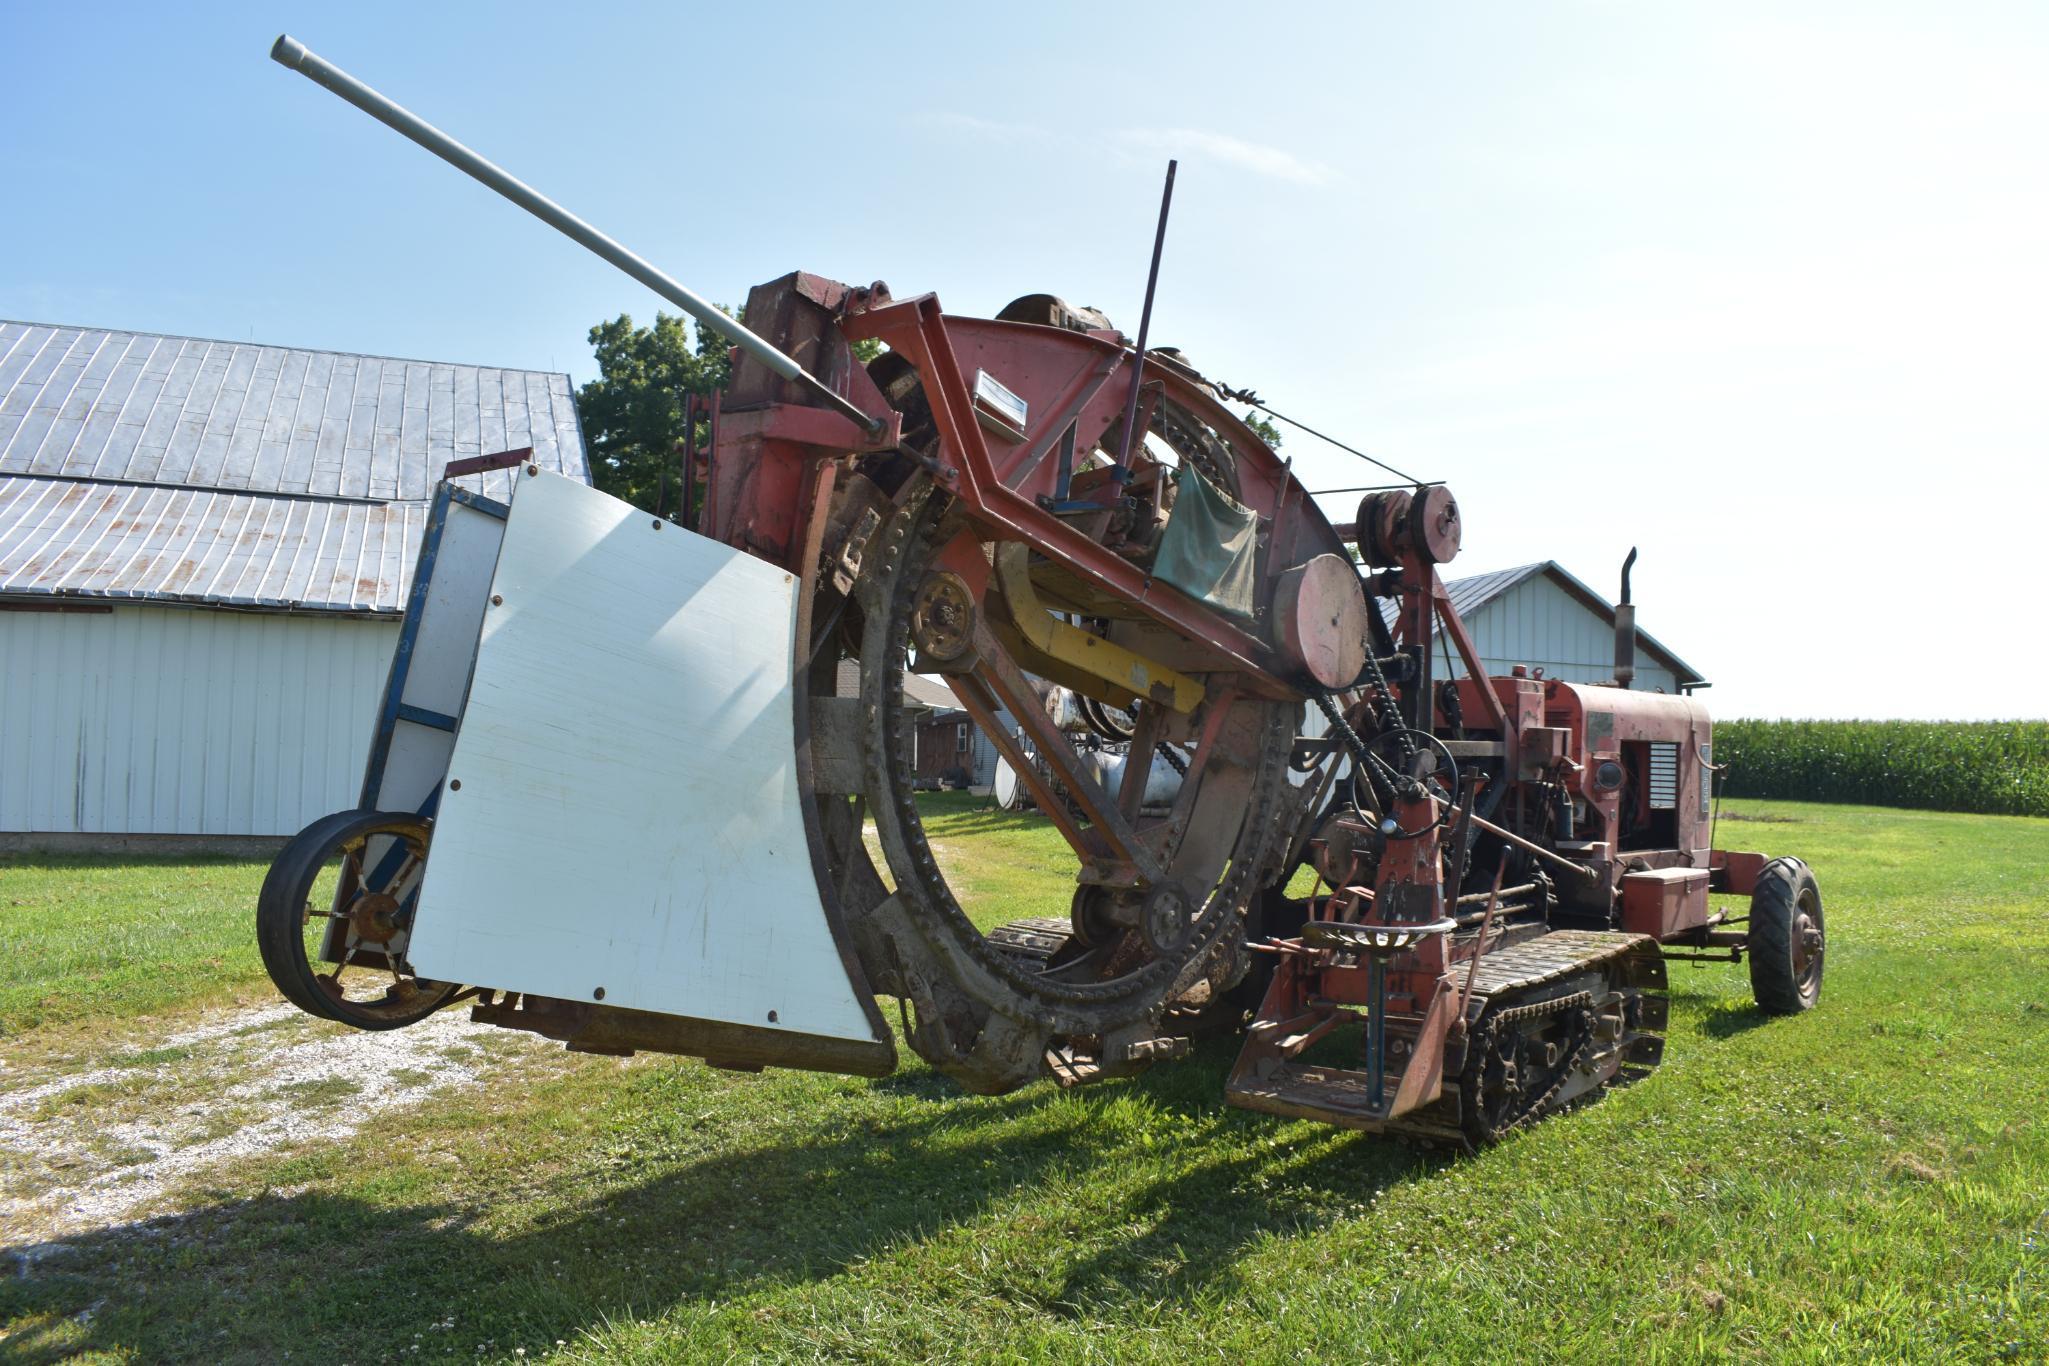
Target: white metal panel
628,812
165,720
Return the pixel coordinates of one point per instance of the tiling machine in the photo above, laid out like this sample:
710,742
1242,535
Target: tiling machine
620,795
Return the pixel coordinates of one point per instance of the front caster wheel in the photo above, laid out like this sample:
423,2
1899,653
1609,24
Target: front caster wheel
334,917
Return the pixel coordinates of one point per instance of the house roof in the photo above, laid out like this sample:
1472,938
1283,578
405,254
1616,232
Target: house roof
140,466
1470,594
928,692
918,690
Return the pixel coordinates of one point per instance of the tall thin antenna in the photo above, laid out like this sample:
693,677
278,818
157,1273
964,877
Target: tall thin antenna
1145,325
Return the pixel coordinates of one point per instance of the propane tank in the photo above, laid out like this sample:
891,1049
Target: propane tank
1162,780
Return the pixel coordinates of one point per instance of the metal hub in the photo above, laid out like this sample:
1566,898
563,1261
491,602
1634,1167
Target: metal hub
374,917
942,617
1807,947
1165,917
330,921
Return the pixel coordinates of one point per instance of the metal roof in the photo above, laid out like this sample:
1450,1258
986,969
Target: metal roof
1475,591
140,466
1470,594
103,541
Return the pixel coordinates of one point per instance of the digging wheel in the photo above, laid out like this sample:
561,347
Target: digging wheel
997,1009
333,918
1786,939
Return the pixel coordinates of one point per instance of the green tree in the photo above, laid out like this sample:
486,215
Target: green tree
633,411
1264,430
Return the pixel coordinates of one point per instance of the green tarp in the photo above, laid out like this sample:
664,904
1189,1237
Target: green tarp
1210,546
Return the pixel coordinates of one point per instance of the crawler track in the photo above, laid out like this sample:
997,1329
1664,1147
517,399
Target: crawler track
1553,1020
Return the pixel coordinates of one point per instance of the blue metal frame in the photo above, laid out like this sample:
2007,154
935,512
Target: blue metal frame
475,500
392,710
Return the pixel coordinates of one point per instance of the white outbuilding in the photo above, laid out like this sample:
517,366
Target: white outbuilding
1542,616
205,551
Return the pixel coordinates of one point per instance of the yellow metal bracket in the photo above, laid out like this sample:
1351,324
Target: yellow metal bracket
1083,650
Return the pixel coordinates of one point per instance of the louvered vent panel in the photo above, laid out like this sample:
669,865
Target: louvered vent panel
1664,776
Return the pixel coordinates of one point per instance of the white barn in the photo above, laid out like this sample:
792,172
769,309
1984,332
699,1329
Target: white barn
1541,615
205,550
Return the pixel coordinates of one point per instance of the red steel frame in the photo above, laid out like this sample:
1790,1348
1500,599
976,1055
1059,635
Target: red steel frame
1080,373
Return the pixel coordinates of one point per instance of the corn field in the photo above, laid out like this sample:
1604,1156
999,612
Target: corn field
1996,767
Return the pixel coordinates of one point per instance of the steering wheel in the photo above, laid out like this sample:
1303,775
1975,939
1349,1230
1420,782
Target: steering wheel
1388,827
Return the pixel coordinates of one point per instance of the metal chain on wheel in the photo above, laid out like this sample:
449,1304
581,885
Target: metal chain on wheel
1364,759
1381,699
1173,758
1482,1049
1190,440
992,1015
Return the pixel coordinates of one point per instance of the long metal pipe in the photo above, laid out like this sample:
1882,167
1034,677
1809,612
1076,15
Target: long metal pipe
1510,837
290,52
1145,325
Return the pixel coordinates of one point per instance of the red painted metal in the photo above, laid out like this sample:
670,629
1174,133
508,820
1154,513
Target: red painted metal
1665,901
1064,373
1320,620
479,464
1578,759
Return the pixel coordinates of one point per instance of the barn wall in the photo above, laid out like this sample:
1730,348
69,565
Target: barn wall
938,748
1540,624
161,720
939,745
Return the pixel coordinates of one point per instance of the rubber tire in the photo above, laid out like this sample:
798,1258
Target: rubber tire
279,906
1774,907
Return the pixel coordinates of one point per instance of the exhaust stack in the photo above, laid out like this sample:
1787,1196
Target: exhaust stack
1625,630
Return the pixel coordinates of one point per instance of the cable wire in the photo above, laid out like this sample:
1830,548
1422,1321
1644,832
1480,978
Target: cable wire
1247,396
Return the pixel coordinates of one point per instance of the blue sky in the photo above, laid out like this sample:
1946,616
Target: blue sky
1758,288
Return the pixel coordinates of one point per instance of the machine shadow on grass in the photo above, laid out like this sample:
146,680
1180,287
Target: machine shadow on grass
976,820
327,1276
1728,1021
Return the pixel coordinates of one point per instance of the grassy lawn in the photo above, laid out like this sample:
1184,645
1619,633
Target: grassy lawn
85,939
1868,1180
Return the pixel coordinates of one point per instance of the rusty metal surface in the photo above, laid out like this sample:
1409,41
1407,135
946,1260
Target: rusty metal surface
1439,1095
479,464
980,1011
1054,370
1320,620
591,1028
